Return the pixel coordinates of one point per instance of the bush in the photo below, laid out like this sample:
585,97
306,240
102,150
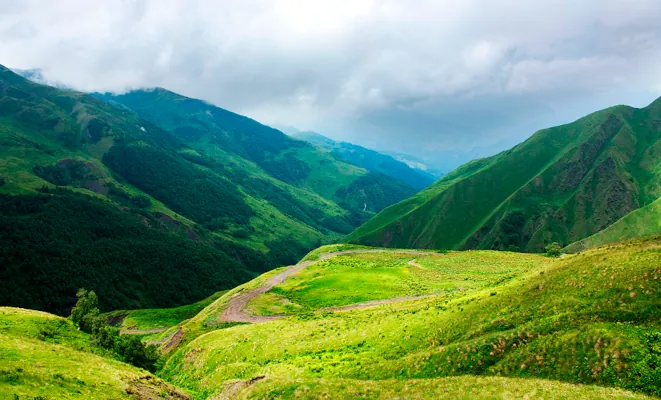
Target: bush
135,352
553,250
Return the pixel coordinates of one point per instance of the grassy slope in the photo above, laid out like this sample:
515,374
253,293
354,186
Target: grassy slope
462,387
645,221
591,318
562,184
44,355
156,318
369,159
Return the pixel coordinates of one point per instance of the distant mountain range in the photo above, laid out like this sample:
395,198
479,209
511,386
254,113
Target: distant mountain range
563,185
409,171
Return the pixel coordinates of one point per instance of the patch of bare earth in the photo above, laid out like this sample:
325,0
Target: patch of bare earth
173,341
151,388
231,390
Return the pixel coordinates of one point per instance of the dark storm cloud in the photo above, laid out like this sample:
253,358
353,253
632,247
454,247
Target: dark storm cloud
428,77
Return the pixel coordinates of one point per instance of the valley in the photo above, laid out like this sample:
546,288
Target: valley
279,200
180,215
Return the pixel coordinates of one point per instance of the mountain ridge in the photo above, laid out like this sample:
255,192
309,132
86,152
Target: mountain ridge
518,197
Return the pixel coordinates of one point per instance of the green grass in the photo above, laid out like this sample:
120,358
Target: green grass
155,318
273,304
46,357
591,318
332,248
645,221
463,387
358,278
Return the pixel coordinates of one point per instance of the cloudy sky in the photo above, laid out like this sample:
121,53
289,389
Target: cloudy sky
444,80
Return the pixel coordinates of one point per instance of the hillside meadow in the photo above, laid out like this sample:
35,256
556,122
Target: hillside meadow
586,319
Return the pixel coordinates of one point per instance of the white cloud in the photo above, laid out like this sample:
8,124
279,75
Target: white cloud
335,65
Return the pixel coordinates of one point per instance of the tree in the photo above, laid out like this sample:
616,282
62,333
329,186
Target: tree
553,250
86,312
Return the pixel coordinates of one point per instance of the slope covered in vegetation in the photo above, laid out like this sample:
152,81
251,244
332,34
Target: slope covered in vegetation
221,136
43,356
95,196
561,185
585,319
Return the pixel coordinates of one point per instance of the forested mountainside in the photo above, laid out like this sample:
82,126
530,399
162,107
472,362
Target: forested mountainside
561,185
95,196
370,160
248,149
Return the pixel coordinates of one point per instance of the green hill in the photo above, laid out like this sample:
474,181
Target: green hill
561,185
93,195
501,323
645,221
370,160
46,357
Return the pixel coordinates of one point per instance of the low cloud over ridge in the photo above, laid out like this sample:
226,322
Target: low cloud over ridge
444,80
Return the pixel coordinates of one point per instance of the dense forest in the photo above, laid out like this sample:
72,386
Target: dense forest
63,241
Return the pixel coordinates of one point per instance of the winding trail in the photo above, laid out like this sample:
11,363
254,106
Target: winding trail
143,332
236,307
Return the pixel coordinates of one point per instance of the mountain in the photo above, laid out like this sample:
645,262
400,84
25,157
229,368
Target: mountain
561,185
370,160
36,75
93,195
244,147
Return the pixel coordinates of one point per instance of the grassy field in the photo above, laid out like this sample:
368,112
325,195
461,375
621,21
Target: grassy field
590,319
156,318
363,277
462,387
43,356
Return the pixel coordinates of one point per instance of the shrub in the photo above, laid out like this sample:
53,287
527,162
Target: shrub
553,250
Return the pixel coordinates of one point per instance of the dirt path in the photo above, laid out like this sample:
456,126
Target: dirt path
373,303
414,264
143,332
236,308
